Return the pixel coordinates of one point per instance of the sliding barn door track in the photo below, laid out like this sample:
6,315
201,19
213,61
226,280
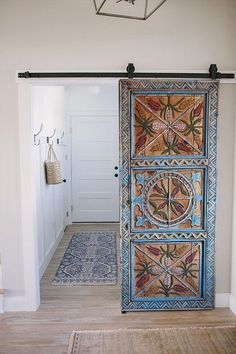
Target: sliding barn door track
130,73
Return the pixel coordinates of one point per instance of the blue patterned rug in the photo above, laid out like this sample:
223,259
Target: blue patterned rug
90,259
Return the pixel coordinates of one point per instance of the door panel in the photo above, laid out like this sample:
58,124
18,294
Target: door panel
177,276
168,156
95,153
162,125
170,199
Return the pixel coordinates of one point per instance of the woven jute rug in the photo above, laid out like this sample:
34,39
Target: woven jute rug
90,259
199,340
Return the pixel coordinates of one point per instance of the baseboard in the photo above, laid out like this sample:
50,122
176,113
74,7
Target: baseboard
1,290
232,303
222,299
18,303
49,255
1,303
14,303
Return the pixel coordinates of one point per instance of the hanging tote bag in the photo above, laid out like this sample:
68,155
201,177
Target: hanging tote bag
52,167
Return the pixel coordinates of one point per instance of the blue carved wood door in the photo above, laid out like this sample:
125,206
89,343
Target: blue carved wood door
168,194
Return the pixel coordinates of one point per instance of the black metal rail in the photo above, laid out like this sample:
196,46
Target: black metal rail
130,74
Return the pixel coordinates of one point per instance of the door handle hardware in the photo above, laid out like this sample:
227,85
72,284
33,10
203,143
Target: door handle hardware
64,180
116,167
116,175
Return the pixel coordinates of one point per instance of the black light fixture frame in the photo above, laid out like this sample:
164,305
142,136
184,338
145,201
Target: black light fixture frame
130,73
146,15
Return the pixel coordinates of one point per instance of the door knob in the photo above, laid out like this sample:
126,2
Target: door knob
116,167
116,174
64,180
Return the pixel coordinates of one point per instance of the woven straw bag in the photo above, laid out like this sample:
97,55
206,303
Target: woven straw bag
52,167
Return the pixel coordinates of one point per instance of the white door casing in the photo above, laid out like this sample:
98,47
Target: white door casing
95,173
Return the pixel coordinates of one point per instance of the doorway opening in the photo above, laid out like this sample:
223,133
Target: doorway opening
80,119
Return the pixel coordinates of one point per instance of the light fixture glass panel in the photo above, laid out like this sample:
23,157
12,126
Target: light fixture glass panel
125,8
98,4
152,6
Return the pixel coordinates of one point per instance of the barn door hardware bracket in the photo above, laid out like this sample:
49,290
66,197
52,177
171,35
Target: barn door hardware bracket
213,70
131,74
130,70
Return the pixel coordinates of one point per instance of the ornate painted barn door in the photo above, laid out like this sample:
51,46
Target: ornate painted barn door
168,194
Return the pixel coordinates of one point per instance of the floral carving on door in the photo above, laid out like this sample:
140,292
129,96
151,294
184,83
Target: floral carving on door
167,199
167,270
169,125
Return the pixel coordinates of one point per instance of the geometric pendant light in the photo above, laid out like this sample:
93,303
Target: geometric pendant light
132,9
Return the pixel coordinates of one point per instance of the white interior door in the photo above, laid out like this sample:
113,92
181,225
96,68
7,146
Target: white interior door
95,173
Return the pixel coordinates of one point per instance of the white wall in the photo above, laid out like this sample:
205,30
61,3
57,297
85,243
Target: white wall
93,96
48,105
225,176
233,248
66,35
48,108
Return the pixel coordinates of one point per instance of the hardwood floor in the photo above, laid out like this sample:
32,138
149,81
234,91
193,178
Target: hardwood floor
64,309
